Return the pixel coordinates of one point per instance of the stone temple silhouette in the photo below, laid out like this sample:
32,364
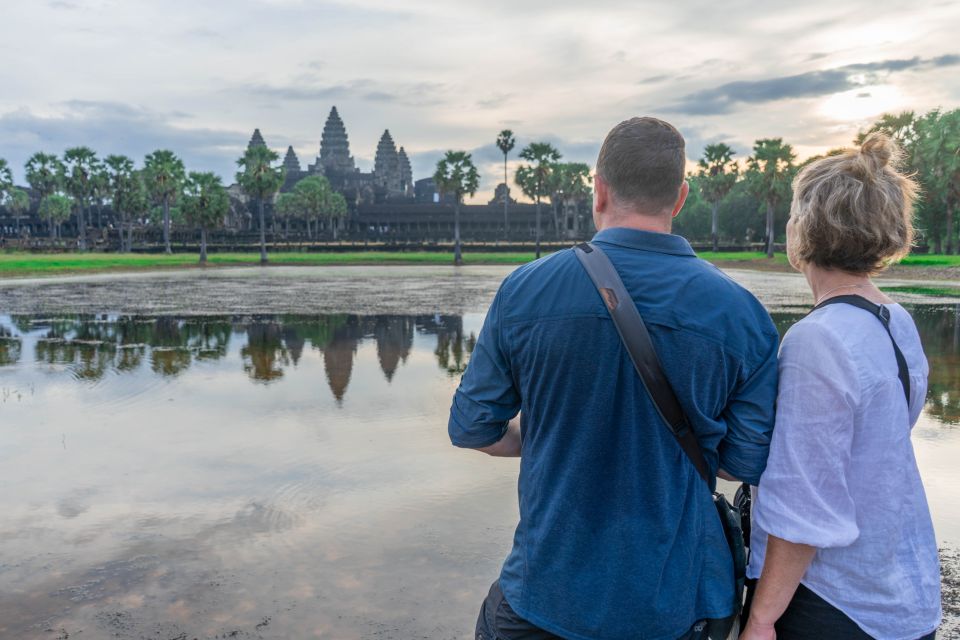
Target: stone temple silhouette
390,181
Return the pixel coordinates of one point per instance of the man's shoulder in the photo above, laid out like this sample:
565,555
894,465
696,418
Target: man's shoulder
712,285
540,273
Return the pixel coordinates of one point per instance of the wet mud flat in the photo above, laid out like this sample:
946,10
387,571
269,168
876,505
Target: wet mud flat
950,583
304,290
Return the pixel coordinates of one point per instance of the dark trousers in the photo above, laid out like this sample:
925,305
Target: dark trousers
810,617
498,621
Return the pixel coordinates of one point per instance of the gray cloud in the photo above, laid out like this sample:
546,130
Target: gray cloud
110,127
411,94
724,98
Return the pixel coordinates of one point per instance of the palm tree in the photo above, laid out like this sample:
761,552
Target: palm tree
456,175
312,194
286,208
119,172
81,166
6,184
164,175
205,205
770,170
259,179
128,193
569,182
44,175
18,203
716,175
534,179
6,178
937,155
901,127
335,210
505,142
55,208
100,190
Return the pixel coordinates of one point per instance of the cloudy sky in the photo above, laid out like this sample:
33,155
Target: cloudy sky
197,76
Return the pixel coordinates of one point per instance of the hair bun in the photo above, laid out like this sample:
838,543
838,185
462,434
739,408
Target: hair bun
877,151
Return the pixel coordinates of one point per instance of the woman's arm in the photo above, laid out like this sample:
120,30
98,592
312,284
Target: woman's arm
783,567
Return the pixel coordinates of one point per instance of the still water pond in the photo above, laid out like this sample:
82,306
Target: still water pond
181,475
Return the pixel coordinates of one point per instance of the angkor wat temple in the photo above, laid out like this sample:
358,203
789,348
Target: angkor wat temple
387,202
385,205
390,181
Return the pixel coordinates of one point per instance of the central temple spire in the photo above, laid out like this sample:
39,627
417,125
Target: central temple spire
335,146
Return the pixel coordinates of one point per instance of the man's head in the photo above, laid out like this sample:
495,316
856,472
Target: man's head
640,175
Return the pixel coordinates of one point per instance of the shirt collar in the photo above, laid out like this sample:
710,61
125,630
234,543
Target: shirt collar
645,241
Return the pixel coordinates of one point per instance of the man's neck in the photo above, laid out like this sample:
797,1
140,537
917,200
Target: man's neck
654,224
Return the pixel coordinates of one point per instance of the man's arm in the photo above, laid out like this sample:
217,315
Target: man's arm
750,418
509,445
487,401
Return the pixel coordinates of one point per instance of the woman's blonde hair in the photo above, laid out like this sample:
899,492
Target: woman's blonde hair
853,211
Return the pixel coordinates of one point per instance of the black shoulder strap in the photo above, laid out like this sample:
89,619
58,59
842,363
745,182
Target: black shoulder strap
636,339
883,315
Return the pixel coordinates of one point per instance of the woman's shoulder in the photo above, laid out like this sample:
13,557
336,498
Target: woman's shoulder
845,334
824,329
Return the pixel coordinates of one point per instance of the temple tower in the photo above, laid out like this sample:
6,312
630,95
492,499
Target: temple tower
256,140
406,174
290,162
335,146
386,165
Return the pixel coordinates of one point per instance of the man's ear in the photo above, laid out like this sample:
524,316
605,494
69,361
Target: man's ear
601,194
684,192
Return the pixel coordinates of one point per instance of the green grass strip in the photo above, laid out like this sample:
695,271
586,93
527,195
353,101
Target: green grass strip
938,292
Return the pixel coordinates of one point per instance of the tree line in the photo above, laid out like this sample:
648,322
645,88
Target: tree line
728,193
736,200
742,201
79,184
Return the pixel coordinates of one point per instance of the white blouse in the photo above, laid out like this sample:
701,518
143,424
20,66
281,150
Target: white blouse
842,475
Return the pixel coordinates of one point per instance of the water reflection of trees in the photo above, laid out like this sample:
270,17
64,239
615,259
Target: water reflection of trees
939,329
10,347
90,346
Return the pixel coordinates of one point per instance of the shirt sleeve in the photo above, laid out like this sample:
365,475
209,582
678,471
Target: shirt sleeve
803,495
750,418
487,398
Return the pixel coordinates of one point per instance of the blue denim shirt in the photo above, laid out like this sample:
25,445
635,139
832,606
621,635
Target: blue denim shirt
618,537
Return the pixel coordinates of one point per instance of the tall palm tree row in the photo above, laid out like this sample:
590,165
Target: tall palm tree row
930,144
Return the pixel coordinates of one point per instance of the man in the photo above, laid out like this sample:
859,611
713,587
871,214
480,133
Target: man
618,537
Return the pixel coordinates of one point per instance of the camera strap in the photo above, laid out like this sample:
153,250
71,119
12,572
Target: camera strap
635,337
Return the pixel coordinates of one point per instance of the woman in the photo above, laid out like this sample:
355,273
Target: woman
842,532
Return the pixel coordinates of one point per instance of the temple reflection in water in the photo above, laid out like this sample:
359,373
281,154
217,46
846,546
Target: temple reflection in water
91,346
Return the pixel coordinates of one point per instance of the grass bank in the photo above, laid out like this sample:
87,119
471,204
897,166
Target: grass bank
28,264
18,264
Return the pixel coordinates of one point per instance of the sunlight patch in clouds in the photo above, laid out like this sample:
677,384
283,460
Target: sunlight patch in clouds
862,104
